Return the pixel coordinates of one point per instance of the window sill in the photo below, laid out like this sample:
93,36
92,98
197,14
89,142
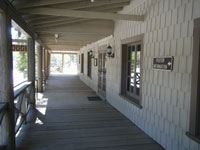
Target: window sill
131,100
197,139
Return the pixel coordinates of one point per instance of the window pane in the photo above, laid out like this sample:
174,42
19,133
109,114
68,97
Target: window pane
138,69
138,57
132,85
129,53
132,88
133,61
129,64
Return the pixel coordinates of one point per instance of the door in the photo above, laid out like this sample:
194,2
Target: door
82,63
89,72
102,74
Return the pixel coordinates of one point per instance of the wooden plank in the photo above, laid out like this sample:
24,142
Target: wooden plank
43,3
105,8
73,122
83,14
74,4
85,5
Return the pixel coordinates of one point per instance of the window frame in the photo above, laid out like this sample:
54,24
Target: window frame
194,129
134,95
133,98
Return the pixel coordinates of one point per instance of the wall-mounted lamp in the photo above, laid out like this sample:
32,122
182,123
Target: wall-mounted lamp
91,54
110,52
56,37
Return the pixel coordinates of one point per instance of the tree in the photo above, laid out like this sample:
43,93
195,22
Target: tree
21,62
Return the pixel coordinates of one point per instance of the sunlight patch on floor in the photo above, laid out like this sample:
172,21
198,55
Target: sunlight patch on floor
41,103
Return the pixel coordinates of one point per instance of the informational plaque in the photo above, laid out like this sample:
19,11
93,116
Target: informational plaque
163,63
19,48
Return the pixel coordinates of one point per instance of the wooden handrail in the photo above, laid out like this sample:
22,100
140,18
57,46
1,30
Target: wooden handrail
20,90
3,108
22,104
20,83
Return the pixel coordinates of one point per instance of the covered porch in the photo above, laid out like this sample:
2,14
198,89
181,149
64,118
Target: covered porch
139,60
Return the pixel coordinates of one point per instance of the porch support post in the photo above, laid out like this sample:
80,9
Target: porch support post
31,68
43,65
46,65
63,60
40,75
7,128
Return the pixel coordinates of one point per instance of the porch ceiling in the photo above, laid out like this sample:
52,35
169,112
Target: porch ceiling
77,22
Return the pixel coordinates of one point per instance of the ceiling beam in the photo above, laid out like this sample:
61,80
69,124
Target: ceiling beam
68,37
88,27
88,4
42,3
19,40
72,43
105,8
58,31
64,47
64,22
59,23
83,14
64,53
49,20
39,19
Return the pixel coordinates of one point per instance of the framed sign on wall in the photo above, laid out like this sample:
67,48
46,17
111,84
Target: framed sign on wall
164,63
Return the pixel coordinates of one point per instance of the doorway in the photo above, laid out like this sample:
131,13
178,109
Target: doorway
102,74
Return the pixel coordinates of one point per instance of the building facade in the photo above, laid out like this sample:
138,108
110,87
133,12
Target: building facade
160,102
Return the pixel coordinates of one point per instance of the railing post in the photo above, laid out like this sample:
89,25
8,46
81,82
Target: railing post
40,75
31,68
7,128
49,63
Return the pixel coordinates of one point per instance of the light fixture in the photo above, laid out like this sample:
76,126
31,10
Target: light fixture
56,37
92,1
91,54
110,52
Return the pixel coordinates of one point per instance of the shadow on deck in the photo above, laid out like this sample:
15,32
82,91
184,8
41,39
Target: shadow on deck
66,120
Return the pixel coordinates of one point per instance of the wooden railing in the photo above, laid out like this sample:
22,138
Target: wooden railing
22,103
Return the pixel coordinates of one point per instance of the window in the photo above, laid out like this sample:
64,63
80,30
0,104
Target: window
131,72
89,73
194,128
82,63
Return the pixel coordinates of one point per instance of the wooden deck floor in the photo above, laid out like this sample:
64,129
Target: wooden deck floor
71,122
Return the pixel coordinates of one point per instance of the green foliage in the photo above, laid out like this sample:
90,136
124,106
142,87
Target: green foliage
21,62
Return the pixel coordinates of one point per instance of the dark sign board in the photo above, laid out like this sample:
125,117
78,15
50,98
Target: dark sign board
19,48
163,63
